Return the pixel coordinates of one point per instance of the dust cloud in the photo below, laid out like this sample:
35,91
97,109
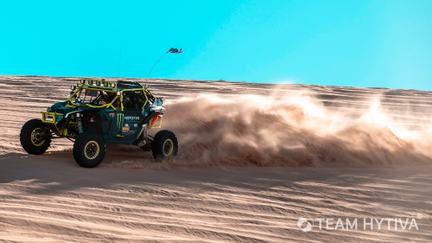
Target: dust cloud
289,130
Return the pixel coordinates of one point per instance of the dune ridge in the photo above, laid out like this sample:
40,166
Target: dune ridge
255,124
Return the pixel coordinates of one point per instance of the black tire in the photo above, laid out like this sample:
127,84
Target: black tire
164,146
89,150
35,137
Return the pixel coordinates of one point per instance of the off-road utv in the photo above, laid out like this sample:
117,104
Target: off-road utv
100,112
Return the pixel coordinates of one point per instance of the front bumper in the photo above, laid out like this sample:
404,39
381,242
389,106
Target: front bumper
51,117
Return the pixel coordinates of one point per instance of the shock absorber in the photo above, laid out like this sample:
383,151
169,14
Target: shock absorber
79,122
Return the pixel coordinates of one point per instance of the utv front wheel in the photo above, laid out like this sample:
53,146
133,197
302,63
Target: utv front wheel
89,150
35,138
164,145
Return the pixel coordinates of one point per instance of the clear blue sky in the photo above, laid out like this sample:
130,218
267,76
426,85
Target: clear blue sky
385,43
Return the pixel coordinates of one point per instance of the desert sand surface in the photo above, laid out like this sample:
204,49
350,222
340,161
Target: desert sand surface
253,160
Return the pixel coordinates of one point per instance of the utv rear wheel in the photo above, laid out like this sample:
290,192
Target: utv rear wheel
35,138
89,150
164,145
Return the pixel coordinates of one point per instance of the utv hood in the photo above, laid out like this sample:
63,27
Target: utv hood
61,107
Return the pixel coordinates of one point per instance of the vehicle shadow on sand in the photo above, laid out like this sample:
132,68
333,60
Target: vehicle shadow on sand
57,172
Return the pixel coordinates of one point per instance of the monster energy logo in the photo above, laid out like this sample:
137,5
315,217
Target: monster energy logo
120,117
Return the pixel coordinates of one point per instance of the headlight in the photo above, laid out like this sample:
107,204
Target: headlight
49,118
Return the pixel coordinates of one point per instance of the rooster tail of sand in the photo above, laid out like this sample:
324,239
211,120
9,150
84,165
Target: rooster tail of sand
293,130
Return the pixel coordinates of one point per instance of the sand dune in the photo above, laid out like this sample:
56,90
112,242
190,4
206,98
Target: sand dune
254,158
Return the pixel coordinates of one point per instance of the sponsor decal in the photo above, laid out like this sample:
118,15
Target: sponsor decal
132,118
120,117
